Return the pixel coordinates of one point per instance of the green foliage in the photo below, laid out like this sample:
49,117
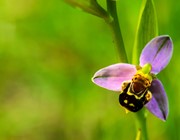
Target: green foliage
147,28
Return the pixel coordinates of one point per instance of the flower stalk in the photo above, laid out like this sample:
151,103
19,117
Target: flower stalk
113,22
141,125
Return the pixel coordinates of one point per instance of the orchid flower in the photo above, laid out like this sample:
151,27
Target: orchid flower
138,85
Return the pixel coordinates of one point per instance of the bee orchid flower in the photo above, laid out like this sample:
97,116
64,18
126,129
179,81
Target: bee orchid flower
138,85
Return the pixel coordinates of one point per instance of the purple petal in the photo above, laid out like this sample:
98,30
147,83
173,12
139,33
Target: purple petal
158,53
158,105
111,77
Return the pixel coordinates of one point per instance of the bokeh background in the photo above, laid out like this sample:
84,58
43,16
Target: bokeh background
48,53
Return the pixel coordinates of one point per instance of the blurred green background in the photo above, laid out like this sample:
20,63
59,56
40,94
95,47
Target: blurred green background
48,53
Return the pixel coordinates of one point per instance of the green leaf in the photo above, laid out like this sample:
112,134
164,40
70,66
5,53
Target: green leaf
147,28
89,6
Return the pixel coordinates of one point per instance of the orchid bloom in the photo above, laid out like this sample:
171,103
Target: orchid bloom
138,85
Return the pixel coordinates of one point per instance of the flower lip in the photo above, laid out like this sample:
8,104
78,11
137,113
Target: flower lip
158,53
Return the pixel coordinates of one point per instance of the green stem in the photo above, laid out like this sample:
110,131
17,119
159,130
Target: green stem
141,125
113,22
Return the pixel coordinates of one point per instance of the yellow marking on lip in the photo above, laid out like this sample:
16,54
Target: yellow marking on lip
148,96
137,97
131,104
125,101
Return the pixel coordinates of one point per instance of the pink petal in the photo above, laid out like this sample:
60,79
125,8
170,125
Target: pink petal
158,53
113,76
158,105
